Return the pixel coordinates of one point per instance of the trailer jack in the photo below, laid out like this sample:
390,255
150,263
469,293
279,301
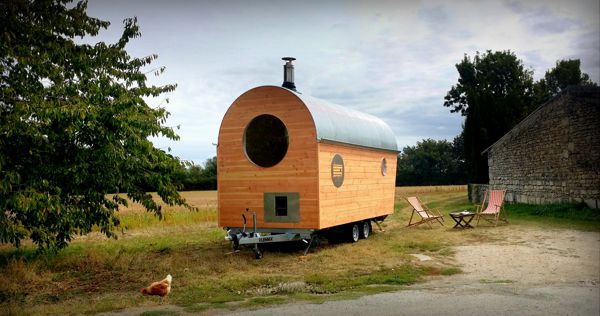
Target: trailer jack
313,239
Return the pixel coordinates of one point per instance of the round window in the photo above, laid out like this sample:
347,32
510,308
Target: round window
265,140
337,170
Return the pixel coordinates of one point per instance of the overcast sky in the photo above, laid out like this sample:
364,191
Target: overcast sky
393,59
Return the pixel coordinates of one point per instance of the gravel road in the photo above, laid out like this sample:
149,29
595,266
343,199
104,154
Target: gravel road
461,300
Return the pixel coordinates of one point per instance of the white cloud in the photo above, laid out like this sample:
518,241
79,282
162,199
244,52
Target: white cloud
394,59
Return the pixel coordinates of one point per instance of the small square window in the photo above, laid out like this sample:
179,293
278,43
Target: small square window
281,206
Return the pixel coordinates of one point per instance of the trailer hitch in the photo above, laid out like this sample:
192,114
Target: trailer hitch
253,238
243,235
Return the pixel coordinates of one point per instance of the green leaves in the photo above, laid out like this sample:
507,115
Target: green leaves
431,162
74,126
492,77
494,92
566,73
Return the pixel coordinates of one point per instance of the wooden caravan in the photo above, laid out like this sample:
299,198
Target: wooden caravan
302,164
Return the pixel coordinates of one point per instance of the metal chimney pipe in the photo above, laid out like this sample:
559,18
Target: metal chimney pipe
288,73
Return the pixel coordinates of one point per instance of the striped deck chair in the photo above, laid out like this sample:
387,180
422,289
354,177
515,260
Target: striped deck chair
426,215
493,212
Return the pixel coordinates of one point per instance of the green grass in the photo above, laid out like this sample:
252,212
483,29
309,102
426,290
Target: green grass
158,313
485,281
573,216
323,283
416,246
451,271
197,308
266,300
96,274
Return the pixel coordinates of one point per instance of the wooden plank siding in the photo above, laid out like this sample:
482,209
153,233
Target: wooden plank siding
365,192
241,184
306,169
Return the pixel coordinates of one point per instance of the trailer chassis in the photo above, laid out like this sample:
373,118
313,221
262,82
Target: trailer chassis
240,236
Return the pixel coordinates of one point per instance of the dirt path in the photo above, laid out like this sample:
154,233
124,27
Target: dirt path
527,271
533,257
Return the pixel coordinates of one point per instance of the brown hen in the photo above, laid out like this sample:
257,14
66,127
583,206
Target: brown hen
160,288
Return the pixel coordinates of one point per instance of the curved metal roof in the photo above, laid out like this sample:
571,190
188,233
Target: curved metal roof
336,123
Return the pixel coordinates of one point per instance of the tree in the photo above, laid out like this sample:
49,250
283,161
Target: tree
566,73
196,177
431,162
494,92
210,168
458,165
74,126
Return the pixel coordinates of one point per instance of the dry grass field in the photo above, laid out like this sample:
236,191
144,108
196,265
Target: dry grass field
95,274
134,217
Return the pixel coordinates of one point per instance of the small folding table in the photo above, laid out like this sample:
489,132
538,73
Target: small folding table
463,219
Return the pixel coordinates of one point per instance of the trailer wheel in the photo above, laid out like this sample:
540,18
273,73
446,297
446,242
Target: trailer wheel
366,229
354,232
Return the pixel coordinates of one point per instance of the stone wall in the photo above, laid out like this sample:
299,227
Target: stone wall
476,192
553,155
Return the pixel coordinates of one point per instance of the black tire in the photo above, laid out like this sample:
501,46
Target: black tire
365,231
315,241
353,232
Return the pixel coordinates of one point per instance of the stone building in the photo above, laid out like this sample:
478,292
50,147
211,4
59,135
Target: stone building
553,155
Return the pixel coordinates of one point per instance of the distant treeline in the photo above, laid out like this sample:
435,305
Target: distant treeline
432,162
197,177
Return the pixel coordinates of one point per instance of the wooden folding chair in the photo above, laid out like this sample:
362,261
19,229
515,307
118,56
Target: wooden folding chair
426,215
493,212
